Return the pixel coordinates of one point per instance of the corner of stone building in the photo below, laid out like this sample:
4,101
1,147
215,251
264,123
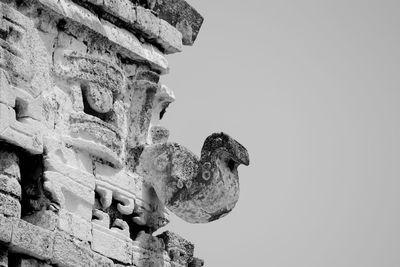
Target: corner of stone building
81,106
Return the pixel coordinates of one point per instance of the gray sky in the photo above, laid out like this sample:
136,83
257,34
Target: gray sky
311,88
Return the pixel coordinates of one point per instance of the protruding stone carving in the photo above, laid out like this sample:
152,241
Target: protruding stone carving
196,190
86,171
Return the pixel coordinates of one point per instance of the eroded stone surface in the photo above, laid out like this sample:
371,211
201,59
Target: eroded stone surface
197,190
87,174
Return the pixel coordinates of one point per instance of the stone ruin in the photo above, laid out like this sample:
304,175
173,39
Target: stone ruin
87,174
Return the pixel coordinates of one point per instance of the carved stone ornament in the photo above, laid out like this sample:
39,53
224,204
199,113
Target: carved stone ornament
87,173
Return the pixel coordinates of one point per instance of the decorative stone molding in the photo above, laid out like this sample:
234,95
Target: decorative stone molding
87,174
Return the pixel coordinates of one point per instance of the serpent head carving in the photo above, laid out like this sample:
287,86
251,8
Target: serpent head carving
197,190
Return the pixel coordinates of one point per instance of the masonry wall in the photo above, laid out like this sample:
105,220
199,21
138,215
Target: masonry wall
79,99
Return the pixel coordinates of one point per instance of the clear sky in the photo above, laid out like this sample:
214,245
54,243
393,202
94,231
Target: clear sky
312,89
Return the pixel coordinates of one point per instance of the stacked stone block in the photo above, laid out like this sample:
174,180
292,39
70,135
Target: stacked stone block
86,171
79,99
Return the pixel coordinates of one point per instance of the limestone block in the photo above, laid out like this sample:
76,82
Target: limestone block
106,243
5,229
88,68
123,9
75,225
120,179
91,134
81,15
138,19
181,15
77,165
169,38
9,206
196,263
101,261
10,186
46,219
130,42
31,240
15,64
124,39
119,229
140,111
9,164
69,252
147,22
25,132
69,194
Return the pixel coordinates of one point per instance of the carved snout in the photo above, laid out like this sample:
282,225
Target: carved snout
196,190
239,152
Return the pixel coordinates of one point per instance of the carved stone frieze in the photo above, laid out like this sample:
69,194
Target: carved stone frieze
87,173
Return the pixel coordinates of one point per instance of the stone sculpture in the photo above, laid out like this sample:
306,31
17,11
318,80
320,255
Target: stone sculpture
86,170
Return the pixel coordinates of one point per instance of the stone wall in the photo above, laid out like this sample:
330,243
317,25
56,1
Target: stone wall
86,171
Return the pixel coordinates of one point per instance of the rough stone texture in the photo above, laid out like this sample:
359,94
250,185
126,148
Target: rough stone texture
87,174
180,14
45,219
5,229
31,240
197,190
111,246
70,252
179,250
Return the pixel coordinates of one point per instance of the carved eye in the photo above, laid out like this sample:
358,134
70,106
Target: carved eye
180,184
207,166
206,175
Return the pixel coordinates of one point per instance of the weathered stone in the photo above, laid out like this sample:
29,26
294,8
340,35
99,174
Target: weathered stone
75,225
147,22
31,240
121,37
5,229
169,37
179,249
23,133
70,252
123,9
80,119
159,135
180,14
101,261
107,244
69,194
46,219
196,190
9,164
9,206
10,185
